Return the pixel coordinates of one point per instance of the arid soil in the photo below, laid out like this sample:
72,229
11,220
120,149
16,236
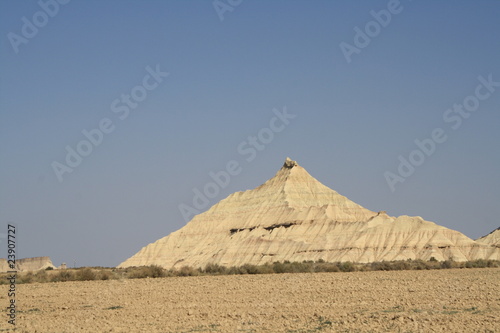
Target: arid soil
453,300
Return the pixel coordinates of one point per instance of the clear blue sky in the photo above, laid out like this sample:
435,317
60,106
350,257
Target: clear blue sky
353,120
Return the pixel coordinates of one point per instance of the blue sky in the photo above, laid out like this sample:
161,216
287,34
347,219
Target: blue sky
353,119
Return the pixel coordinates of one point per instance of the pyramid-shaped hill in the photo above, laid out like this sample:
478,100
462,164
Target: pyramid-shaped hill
294,217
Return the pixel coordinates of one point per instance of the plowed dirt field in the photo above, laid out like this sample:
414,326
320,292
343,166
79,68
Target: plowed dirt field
453,300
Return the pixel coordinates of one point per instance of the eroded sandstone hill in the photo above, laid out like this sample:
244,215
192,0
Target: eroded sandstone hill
294,217
493,238
27,264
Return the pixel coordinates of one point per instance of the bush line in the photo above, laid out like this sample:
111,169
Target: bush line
153,271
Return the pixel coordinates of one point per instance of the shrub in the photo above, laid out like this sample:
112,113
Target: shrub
85,274
26,278
233,270
105,275
265,269
152,271
493,263
188,271
327,267
420,265
304,267
214,269
156,271
249,269
432,265
447,264
380,266
40,276
480,263
346,266
279,267
63,276
401,265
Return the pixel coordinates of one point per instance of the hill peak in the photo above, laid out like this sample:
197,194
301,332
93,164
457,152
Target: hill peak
289,163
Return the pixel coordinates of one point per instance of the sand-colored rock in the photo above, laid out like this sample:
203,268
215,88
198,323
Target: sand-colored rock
493,238
294,217
27,264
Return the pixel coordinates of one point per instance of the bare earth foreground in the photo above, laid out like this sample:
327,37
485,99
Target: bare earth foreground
452,300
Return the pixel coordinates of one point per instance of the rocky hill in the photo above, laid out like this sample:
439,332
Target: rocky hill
294,217
493,238
27,264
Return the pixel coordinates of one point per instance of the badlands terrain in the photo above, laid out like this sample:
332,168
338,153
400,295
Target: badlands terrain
294,217
493,238
291,217
27,264
452,300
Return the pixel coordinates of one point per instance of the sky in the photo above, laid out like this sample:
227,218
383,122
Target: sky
113,114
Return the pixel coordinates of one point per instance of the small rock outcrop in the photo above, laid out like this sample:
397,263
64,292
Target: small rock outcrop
27,264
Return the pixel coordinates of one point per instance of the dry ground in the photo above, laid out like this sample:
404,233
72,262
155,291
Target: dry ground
453,300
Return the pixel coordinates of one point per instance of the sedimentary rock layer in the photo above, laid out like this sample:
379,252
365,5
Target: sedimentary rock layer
27,264
294,217
493,238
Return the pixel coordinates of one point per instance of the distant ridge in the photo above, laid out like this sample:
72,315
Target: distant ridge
27,264
294,217
493,238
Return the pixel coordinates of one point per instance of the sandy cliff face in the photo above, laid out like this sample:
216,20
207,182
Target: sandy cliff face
294,217
27,264
493,238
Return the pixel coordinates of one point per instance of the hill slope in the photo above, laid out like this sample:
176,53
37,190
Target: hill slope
294,217
493,238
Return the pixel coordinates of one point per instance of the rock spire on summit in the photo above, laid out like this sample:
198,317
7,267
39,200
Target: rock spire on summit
289,163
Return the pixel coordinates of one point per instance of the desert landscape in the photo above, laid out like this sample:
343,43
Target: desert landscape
291,255
294,217
249,166
451,300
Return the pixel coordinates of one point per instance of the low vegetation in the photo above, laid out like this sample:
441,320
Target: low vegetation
105,273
